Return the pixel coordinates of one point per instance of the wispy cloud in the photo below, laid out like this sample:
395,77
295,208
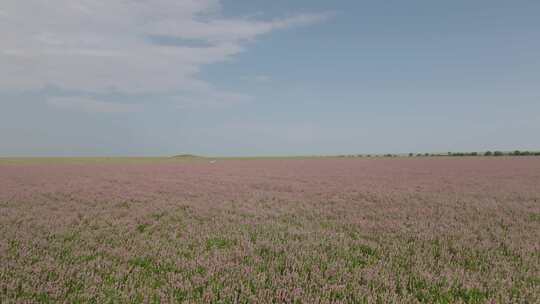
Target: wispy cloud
90,105
262,78
132,46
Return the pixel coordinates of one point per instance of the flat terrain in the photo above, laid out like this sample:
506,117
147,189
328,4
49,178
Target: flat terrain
324,230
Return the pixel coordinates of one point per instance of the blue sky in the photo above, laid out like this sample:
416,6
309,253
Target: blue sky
239,77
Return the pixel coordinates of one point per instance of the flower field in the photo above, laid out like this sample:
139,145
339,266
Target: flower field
305,230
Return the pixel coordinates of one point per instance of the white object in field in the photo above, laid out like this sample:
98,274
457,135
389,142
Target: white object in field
212,161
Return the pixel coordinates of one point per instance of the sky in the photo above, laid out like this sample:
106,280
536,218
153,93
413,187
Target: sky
258,77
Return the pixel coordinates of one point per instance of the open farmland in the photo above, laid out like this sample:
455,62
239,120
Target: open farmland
314,230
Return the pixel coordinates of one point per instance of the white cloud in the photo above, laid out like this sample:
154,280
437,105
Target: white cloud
90,105
98,45
211,98
262,78
235,30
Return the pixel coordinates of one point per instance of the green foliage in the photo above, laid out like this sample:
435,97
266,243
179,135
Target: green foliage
461,154
218,243
535,217
142,227
439,292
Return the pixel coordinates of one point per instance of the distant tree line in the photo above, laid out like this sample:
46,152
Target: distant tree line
452,154
487,153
